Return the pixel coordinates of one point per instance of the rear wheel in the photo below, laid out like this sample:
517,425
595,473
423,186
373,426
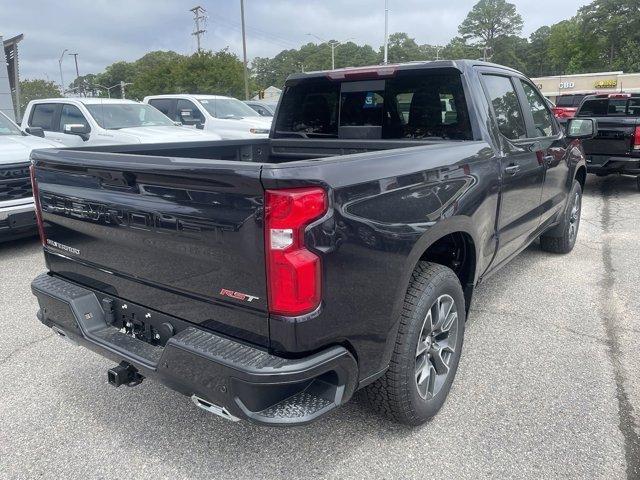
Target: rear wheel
562,238
427,349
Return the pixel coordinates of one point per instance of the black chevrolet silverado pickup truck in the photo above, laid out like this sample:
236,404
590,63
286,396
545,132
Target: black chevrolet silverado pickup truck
616,146
270,279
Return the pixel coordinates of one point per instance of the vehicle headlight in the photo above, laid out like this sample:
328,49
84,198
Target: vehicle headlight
259,130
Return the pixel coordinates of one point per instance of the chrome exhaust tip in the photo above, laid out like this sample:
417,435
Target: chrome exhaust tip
212,408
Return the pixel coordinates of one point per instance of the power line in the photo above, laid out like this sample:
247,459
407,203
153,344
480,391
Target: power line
198,15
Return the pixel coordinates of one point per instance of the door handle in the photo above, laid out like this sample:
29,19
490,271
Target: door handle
512,169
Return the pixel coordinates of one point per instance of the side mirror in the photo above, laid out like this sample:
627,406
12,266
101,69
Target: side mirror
35,131
77,129
581,128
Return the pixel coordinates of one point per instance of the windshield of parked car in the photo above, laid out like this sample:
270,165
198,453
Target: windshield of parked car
227,108
7,127
413,105
114,116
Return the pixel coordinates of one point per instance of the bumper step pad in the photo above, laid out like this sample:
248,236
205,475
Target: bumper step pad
242,380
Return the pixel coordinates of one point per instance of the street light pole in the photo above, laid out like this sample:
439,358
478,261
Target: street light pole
60,65
244,53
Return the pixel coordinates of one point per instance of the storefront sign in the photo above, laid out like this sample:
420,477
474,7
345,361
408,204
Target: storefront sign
565,85
606,84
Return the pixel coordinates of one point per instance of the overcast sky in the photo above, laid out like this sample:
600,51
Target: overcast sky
105,31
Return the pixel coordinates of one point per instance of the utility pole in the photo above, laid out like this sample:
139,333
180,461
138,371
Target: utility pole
244,53
333,44
122,85
198,15
386,32
75,57
60,65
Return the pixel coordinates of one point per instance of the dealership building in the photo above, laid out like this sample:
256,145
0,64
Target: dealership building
602,82
9,78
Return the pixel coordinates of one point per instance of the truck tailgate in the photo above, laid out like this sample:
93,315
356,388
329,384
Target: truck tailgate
182,236
614,137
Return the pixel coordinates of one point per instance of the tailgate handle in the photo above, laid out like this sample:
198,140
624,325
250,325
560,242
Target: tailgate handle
119,180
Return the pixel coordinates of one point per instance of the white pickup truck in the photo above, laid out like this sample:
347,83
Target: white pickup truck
228,117
17,216
77,122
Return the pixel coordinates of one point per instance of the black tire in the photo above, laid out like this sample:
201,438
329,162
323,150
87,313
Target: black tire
562,239
397,394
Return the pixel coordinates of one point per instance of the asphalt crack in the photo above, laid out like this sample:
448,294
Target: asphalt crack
627,424
24,347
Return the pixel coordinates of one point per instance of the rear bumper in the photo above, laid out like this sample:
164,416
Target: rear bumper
604,164
17,220
220,374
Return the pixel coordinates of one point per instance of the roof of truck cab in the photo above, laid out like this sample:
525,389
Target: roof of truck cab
186,96
84,100
460,65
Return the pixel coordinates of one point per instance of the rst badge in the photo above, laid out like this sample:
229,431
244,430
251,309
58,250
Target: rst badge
238,295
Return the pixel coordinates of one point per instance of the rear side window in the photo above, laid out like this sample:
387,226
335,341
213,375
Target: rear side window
506,106
412,105
43,115
162,104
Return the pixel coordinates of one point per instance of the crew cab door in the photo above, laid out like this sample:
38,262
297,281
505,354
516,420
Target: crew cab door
551,150
522,168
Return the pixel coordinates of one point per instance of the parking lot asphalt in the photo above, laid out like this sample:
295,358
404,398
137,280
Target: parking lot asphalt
547,386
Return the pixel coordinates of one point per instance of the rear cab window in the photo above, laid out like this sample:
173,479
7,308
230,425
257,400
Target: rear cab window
412,105
610,107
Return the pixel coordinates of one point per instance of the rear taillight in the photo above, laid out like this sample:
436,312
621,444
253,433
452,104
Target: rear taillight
564,112
36,200
636,139
293,272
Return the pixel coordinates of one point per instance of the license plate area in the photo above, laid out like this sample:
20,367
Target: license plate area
140,322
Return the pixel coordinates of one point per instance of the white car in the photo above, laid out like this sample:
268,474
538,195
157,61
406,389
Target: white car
77,122
17,217
228,117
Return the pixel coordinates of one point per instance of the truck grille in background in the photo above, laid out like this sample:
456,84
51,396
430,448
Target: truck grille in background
15,182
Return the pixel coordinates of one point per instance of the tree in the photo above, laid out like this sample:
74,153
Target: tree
536,56
36,89
489,20
458,49
615,26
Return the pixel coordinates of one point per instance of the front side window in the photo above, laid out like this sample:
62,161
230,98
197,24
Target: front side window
71,115
187,111
43,116
227,108
506,106
114,116
7,127
541,115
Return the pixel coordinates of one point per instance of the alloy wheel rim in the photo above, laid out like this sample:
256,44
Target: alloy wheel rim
574,217
436,346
